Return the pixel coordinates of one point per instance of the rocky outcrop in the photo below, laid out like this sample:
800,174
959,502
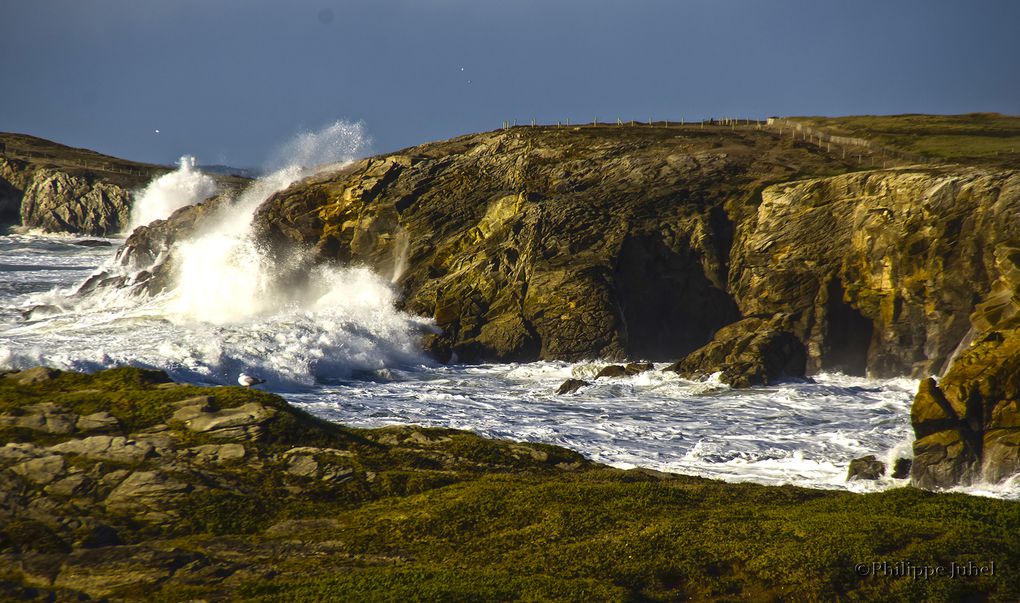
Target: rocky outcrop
749,352
879,269
865,468
94,480
547,243
967,425
54,188
572,243
56,201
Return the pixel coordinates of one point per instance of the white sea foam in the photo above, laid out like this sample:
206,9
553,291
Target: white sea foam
230,306
170,192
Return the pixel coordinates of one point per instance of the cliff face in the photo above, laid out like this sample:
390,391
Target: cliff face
55,188
548,242
881,268
967,424
733,250
56,201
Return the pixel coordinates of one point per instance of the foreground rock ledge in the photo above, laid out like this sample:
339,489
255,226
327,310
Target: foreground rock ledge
128,486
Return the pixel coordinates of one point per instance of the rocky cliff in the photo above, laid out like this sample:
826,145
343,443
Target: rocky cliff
967,424
733,249
50,187
880,268
55,188
550,242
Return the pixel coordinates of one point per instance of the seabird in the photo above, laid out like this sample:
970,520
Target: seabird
249,380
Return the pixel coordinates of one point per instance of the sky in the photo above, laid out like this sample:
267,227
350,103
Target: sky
230,81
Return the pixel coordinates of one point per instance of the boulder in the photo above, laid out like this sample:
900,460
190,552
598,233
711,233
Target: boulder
865,468
752,351
613,370
901,469
571,385
619,370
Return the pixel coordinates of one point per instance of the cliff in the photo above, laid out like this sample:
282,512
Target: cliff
125,486
756,251
55,188
542,243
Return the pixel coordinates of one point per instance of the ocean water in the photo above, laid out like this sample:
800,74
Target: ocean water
337,346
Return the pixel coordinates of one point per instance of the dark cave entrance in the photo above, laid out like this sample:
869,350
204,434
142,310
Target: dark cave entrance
669,305
847,337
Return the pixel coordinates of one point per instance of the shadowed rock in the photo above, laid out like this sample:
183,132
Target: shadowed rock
865,468
572,385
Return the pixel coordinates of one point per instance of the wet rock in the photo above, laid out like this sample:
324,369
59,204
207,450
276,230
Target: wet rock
753,351
629,370
865,468
41,311
635,368
901,469
92,243
613,370
571,385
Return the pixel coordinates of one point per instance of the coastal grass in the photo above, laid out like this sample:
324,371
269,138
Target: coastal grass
445,515
974,138
613,535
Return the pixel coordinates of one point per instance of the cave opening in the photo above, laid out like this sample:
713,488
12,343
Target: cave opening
669,305
848,335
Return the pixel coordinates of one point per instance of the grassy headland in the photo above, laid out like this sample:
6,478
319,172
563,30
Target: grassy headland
124,485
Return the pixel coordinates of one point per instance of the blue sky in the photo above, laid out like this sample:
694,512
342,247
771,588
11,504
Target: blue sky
231,80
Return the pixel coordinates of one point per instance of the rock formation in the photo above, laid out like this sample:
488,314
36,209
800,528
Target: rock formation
56,201
734,251
54,188
967,425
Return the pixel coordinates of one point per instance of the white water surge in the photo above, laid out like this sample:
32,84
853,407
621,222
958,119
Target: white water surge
170,192
334,344
228,310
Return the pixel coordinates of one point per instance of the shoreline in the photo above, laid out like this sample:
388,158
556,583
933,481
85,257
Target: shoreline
151,482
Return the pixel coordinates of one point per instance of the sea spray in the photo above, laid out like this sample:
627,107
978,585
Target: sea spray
229,307
170,192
